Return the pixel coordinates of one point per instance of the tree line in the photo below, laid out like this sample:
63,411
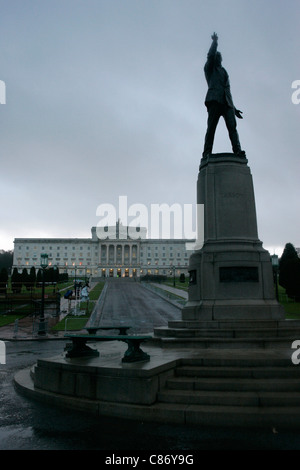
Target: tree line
29,279
6,259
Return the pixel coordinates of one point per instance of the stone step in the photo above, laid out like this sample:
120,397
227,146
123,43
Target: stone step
242,359
230,398
233,384
227,371
227,343
268,415
215,324
239,333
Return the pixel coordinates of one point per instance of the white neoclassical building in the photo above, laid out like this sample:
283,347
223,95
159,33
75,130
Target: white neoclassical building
112,252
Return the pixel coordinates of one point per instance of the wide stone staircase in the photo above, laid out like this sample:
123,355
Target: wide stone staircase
249,389
238,372
245,334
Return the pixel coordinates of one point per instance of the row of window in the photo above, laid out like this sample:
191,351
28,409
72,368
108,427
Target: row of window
171,255
88,263
43,248
103,254
65,261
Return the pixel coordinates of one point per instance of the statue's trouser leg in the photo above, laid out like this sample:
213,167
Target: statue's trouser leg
214,112
230,121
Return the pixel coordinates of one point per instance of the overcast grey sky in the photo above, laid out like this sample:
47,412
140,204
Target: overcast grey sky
106,98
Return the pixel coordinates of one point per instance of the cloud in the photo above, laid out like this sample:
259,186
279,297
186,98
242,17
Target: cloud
106,98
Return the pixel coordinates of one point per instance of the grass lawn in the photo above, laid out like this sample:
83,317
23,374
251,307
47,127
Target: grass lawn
292,308
71,323
292,311
96,291
7,319
178,285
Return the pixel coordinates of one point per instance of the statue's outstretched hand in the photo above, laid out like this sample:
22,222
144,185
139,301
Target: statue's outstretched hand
238,113
214,37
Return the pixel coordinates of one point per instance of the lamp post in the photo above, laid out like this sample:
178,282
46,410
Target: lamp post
173,268
75,279
55,290
275,264
55,277
44,265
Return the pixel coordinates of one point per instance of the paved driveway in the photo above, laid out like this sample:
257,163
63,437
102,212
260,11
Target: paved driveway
131,303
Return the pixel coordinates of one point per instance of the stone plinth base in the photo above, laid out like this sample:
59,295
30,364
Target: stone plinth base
233,310
231,281
231,275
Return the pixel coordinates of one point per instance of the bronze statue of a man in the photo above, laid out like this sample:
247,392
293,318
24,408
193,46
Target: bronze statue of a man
219,101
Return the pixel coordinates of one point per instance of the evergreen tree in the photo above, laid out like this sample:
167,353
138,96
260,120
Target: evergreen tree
56,275
16,281
49,274
25,279
39,277
289,271
6,259
32,277
3,281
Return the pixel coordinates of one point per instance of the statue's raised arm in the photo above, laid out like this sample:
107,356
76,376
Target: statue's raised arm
211,56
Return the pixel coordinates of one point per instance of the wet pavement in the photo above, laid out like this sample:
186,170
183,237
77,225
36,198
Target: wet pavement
29,425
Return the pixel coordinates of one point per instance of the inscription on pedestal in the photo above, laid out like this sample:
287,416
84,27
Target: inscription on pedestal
239,274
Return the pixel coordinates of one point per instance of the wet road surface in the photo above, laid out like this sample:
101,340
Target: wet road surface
135,305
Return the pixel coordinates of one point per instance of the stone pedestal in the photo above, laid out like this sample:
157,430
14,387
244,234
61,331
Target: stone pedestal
231,275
